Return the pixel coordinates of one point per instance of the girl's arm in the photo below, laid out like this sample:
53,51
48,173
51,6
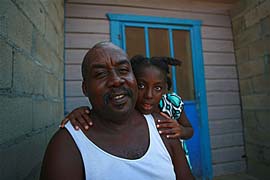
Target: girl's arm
79,117
177,124
187,130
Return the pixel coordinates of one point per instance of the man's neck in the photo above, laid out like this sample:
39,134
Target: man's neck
113,123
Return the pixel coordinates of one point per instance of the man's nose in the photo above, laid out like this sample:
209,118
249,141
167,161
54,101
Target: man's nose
115,80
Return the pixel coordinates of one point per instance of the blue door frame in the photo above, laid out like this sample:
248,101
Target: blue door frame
196,110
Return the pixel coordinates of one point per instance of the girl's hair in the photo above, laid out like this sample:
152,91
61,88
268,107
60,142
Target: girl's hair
162,63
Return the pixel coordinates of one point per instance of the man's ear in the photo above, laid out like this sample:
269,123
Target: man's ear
84,89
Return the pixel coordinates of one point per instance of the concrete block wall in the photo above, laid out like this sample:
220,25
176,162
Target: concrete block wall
31,83
251,29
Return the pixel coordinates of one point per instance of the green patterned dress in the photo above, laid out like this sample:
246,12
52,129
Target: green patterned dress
172,105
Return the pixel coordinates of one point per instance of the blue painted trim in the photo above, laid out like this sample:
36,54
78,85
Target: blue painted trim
114,33
200,93
160,26
146,37
151,19
123,35
174,83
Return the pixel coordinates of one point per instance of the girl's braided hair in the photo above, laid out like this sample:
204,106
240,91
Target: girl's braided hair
162,63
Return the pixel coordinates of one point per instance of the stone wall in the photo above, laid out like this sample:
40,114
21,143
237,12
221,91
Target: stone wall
251,30
31,83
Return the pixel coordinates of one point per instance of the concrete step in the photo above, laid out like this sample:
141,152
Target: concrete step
239,176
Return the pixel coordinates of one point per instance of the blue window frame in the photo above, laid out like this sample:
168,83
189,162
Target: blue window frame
118,23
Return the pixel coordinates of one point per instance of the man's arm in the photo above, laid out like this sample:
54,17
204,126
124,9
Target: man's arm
174,147
62,159
181,167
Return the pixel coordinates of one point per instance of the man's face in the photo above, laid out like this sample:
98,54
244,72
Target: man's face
110,84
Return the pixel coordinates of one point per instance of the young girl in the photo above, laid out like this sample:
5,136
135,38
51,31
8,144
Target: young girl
153,82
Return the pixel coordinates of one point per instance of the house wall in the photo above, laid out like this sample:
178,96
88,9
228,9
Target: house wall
251,29
86,24
31,83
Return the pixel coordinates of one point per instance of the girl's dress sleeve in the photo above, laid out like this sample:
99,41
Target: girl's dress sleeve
172,105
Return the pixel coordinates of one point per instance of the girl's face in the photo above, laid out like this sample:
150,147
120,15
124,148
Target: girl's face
151,86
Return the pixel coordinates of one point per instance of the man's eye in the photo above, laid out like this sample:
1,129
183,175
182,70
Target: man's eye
123,70
140,86
101,74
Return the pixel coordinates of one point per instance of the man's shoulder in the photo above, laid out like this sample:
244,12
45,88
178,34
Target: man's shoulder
61,152
170,143
61,138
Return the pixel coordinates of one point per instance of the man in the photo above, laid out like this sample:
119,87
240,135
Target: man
122,143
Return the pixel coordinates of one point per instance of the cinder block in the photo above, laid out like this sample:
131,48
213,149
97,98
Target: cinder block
41,113
54,31
249,118
246,87
58,112
56,65
263,123
35,172
18,160
23,78
258,169
55,10
60,46
242,7
259,48
51,84
60,73
34,12
266,26
251,68
256,14
249,35
29,154
6,5
238,25
3,26
38,80
42,51
256,102
242,55
261,84
257,136
15,117
6,65
50,131
51,35
8,163
61,88
19,28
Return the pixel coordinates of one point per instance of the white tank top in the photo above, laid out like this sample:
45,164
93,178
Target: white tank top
155,164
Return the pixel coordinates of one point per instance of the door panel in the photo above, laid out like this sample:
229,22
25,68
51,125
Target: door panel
159,45
135,34
179,38
184,73
193,144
